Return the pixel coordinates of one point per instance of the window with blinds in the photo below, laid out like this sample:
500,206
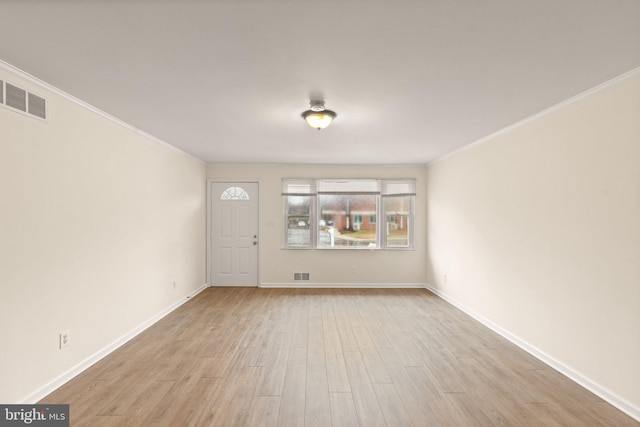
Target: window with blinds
343,213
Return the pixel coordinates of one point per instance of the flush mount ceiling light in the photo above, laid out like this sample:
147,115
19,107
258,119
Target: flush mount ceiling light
317,117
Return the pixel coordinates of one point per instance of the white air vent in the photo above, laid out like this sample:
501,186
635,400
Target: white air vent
16,98
21,100
300,276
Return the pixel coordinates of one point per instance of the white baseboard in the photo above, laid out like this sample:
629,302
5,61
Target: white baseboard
91,360
311,285
604,393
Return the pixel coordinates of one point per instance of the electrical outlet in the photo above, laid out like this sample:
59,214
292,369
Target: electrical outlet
174,286
445,278
353,268
64,339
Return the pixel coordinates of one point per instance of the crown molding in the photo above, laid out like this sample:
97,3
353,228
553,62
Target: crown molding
5,66
573,100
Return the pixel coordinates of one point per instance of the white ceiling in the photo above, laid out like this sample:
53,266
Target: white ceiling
411,80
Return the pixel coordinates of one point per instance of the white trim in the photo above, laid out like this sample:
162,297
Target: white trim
573,100
46,86
622,404
313,285
94,358
208,250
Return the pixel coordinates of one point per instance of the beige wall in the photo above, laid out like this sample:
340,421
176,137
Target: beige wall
328,267
96,224
538,231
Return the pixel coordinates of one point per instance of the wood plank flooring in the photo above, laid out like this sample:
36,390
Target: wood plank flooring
329,357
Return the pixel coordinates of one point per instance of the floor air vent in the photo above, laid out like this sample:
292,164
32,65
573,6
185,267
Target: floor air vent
300,276
21,100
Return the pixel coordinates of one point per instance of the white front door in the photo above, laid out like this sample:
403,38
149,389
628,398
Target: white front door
234,234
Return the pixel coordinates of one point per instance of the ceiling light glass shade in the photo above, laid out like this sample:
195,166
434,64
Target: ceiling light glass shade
319,119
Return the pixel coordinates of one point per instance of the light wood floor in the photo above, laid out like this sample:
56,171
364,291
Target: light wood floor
303,357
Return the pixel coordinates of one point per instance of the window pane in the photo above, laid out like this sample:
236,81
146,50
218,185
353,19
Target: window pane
298,205
345,220
298,221
398,211
234,193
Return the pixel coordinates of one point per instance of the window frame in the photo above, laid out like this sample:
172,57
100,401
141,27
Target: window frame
382,189
299,188
410,215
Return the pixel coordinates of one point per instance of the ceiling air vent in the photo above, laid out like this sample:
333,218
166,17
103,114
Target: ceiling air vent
16,98
21,100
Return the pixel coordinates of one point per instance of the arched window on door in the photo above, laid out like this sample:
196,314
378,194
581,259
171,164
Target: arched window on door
234,193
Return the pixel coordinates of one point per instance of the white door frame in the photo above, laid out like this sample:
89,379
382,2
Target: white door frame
210,182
